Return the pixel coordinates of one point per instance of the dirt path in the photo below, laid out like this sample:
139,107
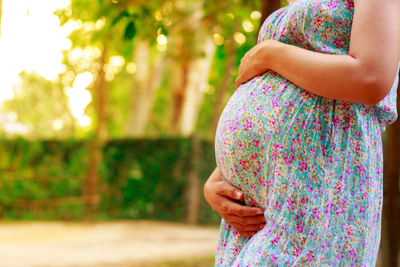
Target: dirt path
121,243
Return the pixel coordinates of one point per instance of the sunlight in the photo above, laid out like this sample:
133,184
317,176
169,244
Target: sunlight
255,15
117,61
32,40
239,37
162,42
57,125
247,25
218,39
131,67
80,97
162,39
114,66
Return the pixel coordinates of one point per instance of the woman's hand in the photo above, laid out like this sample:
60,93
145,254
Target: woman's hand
222,198
252,63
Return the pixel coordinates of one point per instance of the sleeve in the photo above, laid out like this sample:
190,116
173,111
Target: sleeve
386,110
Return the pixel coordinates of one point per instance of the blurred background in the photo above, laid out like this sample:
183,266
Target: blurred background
108,110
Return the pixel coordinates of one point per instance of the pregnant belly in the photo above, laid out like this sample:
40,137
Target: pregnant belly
267,125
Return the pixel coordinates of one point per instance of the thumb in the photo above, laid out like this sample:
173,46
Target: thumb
230,191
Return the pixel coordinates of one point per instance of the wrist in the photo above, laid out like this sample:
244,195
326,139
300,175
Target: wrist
269,51
214,178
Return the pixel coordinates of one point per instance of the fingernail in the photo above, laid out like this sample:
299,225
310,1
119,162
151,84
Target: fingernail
260,212
238,194
261,226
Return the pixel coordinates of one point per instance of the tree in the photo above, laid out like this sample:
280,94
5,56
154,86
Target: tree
267,7
227,78
97,40
391,190
100,101
42,106
149,20
193,61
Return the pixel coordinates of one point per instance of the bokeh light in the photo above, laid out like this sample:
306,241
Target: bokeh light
31,33
239,37
80,97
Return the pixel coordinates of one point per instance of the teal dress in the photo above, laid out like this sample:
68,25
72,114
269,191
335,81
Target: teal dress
313,164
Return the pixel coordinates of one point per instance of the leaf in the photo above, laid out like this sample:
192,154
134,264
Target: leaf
120,16
130,31
145,11
163,28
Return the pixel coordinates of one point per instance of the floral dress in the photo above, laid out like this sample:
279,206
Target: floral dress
313,164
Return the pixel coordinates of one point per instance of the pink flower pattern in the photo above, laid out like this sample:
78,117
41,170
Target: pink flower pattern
313,164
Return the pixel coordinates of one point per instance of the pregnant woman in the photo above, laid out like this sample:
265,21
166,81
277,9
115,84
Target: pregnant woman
298,145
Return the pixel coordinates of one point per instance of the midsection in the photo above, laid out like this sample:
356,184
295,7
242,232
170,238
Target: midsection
270,126
251,131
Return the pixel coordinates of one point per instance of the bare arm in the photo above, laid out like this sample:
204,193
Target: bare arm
365,75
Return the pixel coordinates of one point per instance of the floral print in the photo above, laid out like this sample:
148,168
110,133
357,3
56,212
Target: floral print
313,164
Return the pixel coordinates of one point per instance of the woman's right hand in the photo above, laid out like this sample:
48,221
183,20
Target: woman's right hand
222,197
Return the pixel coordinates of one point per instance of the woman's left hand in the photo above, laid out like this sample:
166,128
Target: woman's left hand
250,64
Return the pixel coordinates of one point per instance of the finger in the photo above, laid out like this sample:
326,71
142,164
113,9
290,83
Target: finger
244,58
259,219
246,55
236,84
228,207
243,210
248,234
248,228
229,191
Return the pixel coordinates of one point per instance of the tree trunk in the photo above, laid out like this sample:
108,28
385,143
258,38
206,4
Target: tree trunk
146,80
194,183
267,7
391,191
179,83
95,147
194,91
196,50
91,186
141,55
227,80
155,81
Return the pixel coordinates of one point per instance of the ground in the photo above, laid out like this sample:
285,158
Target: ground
121,243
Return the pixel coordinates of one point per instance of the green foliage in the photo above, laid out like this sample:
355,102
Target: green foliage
38,103
39,171
130,31
114,28
140,179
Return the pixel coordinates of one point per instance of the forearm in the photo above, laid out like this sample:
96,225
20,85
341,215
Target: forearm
340,77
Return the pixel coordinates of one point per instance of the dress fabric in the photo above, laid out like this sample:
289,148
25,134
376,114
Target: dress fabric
314,164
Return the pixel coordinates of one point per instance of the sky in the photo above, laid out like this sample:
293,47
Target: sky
33,40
